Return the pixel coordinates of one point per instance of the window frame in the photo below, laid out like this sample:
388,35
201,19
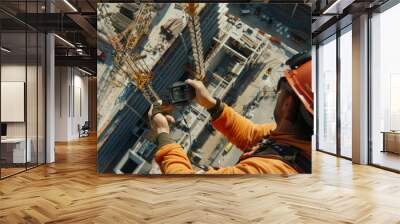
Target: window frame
381,9
27,29
336,38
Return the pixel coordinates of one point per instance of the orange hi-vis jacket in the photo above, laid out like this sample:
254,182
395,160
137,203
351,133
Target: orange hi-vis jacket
244,134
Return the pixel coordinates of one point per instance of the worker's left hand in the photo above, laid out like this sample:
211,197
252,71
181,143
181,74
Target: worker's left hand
159,122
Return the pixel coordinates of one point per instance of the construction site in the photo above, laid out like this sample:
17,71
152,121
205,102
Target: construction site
238,51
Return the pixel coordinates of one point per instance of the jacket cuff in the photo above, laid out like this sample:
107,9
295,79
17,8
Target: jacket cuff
164,139
216,110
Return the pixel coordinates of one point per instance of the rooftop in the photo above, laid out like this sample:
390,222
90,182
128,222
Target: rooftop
157,44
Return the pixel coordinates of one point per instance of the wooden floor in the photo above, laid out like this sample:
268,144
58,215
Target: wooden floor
5,172
70,191
387,159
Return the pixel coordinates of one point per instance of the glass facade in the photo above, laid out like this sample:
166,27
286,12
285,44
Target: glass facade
334,94
385,89
22,77
346,92
326,99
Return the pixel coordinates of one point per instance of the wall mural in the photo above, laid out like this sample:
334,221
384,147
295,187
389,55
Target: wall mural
196,88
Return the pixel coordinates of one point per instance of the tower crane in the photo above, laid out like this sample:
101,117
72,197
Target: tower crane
136,70
139,72
141,25
130,64
142,76
133,32
195,37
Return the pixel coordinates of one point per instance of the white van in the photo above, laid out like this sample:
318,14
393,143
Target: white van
245,11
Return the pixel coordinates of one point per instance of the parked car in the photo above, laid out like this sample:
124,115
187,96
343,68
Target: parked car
264,17
101,56
245,12
265,76
228,147
238,25
249,31
249,115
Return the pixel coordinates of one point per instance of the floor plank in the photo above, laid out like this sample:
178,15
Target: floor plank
70,191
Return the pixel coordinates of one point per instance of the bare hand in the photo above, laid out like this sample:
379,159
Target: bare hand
203,97
159,122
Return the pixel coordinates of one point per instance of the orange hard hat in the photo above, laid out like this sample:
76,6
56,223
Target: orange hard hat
299,80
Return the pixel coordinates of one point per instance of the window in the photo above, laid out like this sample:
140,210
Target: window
385,89
326,104
346,93
333,106
22,74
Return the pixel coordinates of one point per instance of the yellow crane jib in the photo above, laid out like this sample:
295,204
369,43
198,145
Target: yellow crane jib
196,41
141,25
191,8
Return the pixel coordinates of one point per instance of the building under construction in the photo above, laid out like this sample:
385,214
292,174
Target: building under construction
178,43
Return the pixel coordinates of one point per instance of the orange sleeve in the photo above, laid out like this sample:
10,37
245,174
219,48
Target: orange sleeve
240,131
257,165
173,160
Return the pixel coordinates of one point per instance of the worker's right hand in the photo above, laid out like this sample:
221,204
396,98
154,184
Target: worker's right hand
203,97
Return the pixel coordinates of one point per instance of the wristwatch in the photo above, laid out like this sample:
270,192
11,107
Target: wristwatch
217,109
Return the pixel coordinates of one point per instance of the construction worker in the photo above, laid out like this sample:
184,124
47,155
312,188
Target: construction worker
283,147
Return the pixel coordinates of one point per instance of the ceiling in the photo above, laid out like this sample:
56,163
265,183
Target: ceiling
332,15
79,27
39,6
72,20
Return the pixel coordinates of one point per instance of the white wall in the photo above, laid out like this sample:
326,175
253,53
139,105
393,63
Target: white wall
12,73
33,126
71,102
61,103
80,109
